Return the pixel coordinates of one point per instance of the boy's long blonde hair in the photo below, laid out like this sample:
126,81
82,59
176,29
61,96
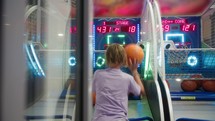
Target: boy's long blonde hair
116,55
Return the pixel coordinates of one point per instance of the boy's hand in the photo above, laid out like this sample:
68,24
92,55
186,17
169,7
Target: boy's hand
132,65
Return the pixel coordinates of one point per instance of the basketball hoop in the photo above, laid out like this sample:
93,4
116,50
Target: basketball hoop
184,45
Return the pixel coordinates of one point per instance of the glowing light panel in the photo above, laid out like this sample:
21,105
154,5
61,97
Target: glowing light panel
100,61
72,61
192,60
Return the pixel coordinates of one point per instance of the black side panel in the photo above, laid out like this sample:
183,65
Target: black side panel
165,101
152,95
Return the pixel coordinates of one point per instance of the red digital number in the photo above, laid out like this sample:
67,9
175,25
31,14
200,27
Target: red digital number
166,28
103,29
185,27
193,27
188,27
99,29
132,29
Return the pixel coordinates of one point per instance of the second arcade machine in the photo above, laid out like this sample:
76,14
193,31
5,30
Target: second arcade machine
189,67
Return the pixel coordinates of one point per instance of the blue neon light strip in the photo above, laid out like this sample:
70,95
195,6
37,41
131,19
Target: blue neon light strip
36,59
94,63
30,58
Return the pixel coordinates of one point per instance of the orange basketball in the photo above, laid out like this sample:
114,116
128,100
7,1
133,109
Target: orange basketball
188,85
134,51
209,85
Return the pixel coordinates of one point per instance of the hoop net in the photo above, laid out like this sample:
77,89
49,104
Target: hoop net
175,58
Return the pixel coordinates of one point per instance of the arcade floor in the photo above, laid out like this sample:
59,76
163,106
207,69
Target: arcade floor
60,110
194,109
50,110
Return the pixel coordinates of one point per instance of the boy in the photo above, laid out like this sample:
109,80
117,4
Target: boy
112,86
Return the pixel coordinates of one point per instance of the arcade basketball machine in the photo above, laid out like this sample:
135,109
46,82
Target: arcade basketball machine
124,30
189,65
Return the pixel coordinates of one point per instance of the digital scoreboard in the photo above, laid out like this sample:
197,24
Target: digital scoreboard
113,30
116,26
179,24
183,31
